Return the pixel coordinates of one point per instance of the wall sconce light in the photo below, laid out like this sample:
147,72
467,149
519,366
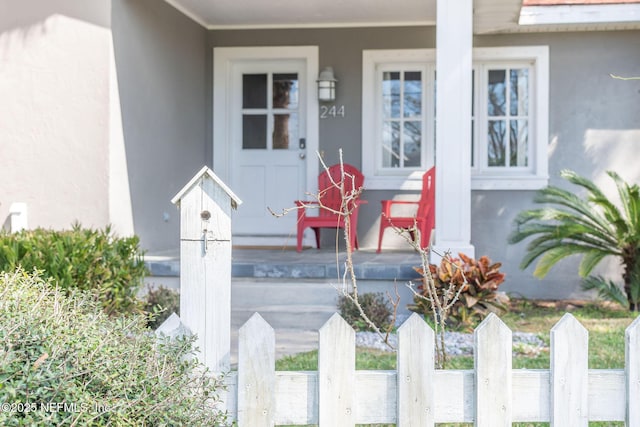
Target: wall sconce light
326,85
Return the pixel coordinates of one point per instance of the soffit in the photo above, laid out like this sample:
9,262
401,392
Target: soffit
490,16
308,13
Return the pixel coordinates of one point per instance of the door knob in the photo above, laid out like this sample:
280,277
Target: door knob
302,156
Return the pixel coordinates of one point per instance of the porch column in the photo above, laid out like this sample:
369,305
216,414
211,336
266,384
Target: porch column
454,49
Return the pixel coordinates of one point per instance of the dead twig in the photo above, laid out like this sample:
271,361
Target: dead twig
440,304
348,202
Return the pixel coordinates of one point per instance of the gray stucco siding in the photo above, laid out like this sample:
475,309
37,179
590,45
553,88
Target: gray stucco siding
164,79
594,125
54,128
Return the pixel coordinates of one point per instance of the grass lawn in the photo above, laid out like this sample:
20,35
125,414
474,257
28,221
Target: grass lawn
606,325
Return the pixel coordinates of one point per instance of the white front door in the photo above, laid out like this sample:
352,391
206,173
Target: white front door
268,144
265,113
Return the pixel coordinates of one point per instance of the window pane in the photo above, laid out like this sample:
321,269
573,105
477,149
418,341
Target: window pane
518,142
285,90
285,131
391,145
391,94
519,92
412,143
254,131
496,149
412,94
254,91
497,93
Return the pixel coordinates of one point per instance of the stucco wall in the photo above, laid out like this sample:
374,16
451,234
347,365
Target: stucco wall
54,111
594,125
164,85
104,113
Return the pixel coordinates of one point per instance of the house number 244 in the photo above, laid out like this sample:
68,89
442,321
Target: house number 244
331,112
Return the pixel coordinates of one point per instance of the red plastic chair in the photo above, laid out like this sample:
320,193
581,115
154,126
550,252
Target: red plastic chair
331,202
424,220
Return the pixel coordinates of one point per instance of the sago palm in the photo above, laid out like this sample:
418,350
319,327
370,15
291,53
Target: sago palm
593,227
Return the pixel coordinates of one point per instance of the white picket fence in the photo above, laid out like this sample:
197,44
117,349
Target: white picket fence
568,394
492,394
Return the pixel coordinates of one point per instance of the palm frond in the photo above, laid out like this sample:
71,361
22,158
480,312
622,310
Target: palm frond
552,255
563,231
589,261
606,289
595,196
557,196
630,201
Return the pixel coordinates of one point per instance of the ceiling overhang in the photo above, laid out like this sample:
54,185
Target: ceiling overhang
233,14
490,16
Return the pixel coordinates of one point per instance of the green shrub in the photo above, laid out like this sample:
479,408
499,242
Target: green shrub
477,297
63,361
374,304
96,260
160,302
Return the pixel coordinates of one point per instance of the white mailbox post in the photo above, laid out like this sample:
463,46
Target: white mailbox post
205,205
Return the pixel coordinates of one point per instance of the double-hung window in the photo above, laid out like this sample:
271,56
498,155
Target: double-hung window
509,117
397,117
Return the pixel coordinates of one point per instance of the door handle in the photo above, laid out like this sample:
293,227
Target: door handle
302,156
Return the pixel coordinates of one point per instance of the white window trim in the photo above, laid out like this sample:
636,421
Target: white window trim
371,60
537,178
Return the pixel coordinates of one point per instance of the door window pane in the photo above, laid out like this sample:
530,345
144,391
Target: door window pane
285,131
254,91
254,131
285,90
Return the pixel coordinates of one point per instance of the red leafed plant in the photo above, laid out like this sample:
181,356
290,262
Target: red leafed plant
474,282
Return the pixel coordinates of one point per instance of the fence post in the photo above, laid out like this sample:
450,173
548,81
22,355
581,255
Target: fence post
256,373
492,357
336,373
416,373
205,265
569,373
632,368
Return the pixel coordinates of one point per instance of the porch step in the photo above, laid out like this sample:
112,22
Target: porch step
309,264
